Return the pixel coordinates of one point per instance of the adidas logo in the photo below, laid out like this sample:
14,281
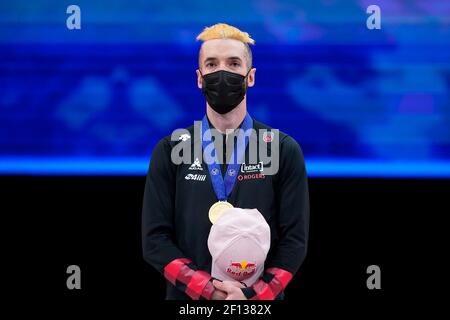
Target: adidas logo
184,137
196,165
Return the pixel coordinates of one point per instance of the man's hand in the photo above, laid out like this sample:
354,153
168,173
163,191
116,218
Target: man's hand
222,295
232,289
218,295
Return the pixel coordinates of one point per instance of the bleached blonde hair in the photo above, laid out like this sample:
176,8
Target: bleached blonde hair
225,31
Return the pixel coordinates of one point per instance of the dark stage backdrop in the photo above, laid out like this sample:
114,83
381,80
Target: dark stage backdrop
94,222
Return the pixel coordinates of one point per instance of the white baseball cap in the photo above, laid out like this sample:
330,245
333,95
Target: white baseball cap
239,242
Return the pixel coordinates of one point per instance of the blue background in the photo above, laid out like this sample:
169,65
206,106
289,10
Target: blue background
95,101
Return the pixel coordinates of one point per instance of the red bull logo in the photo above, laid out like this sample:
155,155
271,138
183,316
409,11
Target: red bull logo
241,270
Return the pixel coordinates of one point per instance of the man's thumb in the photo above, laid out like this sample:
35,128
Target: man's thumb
220,285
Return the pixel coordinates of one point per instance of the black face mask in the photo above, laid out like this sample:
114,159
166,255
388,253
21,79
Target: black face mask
224,90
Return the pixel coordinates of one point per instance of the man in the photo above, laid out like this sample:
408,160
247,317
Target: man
181,201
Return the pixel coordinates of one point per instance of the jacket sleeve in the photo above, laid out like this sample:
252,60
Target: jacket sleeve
293,224
159,248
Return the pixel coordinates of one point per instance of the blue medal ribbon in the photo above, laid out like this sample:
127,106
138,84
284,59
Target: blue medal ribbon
223,186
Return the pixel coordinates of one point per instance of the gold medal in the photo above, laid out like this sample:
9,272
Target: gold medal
217,209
